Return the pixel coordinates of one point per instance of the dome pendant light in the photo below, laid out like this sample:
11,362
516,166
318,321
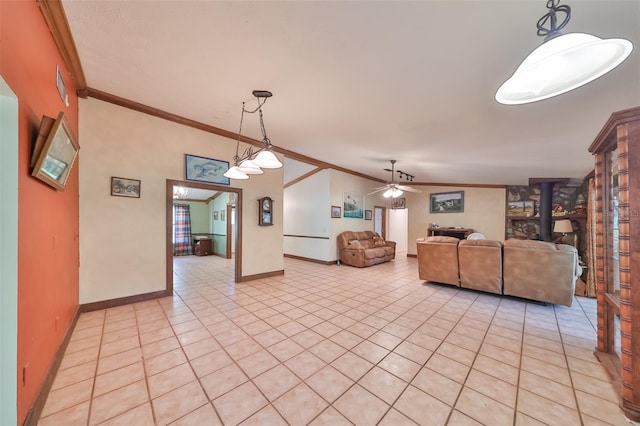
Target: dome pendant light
563,62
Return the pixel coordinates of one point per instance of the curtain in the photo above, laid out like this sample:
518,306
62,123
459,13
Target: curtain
182,230
591,239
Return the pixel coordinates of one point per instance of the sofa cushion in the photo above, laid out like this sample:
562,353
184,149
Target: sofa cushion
374,252
530,244
480,243
442,240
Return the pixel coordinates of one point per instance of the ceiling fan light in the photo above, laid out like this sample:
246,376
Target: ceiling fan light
561,64
235,173
267,160
249,167
392,193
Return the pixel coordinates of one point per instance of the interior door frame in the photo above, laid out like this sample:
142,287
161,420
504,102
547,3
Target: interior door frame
169,225
384,220
229,230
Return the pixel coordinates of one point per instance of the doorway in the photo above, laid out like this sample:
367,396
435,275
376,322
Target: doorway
399,228
215,191
380,221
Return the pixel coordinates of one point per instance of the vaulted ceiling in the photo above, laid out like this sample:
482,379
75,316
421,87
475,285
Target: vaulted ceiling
357,83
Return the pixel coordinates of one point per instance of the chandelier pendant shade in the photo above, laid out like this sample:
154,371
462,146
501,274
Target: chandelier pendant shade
252,162
562,63
180,192
250,167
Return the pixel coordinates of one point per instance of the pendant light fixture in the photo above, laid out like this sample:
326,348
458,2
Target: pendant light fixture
252,162
563,62
180,192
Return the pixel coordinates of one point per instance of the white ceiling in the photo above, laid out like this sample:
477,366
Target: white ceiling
357,83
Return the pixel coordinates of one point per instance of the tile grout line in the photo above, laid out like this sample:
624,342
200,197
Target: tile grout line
95,373
564,353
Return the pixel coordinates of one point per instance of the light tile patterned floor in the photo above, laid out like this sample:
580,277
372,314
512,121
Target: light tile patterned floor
331,345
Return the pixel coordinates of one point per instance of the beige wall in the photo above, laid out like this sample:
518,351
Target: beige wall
484,211
123,240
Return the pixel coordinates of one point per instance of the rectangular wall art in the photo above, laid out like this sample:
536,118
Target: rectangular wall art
203,169
447,202
353,205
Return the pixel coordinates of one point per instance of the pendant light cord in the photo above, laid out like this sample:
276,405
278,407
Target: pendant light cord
249,151
551,18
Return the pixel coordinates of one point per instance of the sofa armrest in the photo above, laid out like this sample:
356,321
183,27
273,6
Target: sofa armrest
353,255
391,244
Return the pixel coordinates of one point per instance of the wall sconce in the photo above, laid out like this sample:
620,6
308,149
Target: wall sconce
252,162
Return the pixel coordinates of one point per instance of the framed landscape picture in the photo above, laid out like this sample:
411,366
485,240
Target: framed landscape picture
123,187
447,202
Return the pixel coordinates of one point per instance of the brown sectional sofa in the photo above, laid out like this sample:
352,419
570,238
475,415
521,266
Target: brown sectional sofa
535,270
364,248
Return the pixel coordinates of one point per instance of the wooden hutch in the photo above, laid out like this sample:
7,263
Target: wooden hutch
617,180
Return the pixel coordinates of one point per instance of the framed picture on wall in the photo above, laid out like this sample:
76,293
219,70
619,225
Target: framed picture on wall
203,169
446,202
368,215
399,203
353,204
55,151
215,215
336,212
123,187
221,214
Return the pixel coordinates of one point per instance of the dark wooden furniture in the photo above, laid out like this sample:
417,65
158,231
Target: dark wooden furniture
617,180
202,247
461,233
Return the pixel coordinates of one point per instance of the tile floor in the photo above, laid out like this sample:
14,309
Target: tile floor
331,345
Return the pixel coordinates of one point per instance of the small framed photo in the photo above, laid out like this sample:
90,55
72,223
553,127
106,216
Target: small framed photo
399,203
124,187
215,215
221,214
368,215
203,169
336,212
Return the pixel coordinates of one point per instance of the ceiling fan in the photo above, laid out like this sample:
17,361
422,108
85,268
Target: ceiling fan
393,189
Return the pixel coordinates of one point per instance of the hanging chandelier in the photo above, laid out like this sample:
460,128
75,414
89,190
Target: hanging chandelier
563,62
180,192
252,162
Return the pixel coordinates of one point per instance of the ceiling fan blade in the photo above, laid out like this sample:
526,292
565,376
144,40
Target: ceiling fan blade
408,188
382,188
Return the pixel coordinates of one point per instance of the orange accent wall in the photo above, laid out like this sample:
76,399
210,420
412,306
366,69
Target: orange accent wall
47,219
